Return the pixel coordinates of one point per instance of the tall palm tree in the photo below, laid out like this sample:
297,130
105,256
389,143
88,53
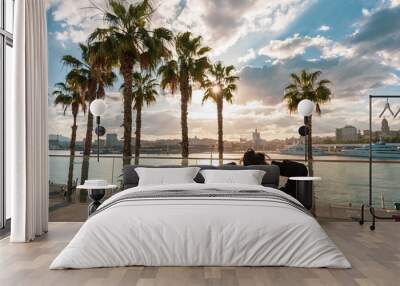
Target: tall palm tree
144,91
188,69
67,96
307,86
220,87
127,37
92,73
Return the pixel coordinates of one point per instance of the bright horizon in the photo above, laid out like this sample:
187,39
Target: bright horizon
357,51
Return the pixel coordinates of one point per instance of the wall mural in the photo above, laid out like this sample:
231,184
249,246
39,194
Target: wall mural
209,79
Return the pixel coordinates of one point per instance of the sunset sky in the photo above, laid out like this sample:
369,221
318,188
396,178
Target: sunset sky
356,44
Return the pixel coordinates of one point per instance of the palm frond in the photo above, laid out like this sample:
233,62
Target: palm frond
169,76
314,76
71,61
305,86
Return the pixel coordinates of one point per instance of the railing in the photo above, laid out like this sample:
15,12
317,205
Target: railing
344,185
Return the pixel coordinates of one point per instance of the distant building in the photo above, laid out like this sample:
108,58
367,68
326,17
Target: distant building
346,134
385,129
102,143
53,140
386,132
112,140
258,143
57,141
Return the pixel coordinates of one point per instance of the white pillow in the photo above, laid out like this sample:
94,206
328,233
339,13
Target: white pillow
166,176
248,177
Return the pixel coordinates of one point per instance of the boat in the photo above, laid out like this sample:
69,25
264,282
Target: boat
298,149
379,149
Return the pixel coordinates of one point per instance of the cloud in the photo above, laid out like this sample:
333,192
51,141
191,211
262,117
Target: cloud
251,54
221,23
78,18
389,58
296,45
324,28
365,12
379,30
378,36
392,80
394,3
351,77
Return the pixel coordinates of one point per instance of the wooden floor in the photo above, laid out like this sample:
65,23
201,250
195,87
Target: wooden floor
375,257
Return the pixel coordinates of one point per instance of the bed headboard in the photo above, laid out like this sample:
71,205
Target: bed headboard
270,179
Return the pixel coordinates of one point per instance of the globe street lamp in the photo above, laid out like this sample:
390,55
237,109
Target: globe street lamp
98,108
305,109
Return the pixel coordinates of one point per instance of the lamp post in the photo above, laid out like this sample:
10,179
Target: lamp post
98,108
305,109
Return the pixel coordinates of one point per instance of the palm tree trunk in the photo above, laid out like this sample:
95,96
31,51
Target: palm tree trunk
88,147
184,126
126,71
310,149
220,131
138,131
185,95
72,156
100,90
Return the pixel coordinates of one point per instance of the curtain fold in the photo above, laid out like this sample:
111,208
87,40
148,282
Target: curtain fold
26,124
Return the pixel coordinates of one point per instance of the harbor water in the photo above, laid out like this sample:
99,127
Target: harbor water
342,182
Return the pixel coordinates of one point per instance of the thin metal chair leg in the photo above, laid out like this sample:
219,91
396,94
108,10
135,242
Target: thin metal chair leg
361,221
372,210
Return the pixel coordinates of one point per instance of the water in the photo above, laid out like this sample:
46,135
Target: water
341,182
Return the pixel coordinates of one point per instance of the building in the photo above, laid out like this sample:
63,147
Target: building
57,141
102,144
258,143
385,129
112,140
346,134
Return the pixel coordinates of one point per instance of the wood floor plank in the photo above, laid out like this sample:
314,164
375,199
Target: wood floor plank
375,257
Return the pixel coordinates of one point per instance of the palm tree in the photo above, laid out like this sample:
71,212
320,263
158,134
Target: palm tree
144,91
189,68
127,37
307,86
67,96
91,74
220,87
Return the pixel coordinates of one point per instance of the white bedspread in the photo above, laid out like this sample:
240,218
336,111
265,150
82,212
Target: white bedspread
206,231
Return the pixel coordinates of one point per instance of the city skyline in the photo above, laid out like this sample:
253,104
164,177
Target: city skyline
342,135
266,42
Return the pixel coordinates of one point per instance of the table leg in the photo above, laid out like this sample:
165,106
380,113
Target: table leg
304,193
96,196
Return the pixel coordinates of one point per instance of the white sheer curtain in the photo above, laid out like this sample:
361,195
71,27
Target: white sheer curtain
26,120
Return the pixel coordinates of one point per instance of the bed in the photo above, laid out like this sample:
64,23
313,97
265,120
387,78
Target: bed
197,224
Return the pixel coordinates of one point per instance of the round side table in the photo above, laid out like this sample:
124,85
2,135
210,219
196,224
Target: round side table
304,191
96,194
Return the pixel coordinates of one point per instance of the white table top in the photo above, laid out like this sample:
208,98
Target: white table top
305,178
86,187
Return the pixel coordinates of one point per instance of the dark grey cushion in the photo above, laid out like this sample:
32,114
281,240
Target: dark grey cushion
270,179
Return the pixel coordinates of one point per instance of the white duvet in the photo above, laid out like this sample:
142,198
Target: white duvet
203,232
